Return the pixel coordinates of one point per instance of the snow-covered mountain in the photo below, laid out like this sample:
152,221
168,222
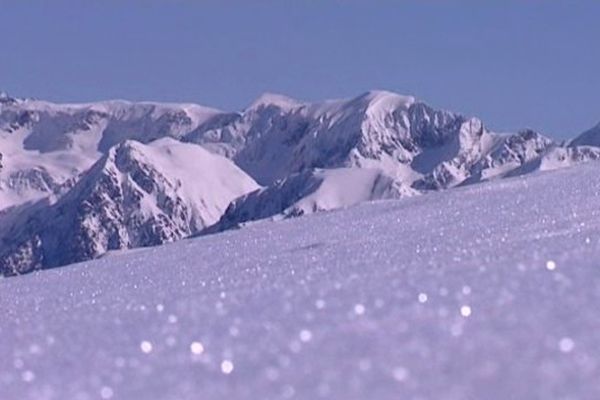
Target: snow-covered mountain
591,137
46,144
489,291
312,191
136,195
558,157
62,161
417,145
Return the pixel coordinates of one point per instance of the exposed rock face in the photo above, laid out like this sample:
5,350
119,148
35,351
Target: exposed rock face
134,196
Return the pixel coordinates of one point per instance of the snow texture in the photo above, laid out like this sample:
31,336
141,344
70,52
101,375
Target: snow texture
489,291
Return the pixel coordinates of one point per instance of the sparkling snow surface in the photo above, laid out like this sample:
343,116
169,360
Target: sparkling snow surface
485,292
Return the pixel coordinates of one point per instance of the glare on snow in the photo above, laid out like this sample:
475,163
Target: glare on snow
197,348
35,349
172,319
400,374
226,367
106,392
146,346
566,345
359,309
465,311
28,376
305,335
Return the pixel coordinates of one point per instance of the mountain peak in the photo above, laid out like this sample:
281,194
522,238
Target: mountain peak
383,94
275,99
5,98
384,100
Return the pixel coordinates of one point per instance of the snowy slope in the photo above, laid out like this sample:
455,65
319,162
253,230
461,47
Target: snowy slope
559,157
136,195
485,292
312,191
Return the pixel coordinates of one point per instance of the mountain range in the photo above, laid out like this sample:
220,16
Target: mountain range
80,180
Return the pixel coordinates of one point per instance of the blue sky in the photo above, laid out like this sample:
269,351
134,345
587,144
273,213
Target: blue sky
515,64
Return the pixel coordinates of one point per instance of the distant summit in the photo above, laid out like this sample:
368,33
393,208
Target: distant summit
274,100
5,98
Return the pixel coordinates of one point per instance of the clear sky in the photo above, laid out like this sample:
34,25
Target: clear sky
514,64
